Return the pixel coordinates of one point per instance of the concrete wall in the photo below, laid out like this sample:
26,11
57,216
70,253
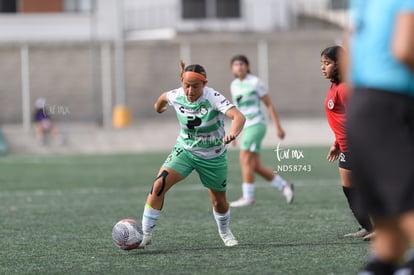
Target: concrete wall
68,75
62,74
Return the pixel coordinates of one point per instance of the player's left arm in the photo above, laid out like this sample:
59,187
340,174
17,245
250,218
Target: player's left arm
273,114
403,39
237,124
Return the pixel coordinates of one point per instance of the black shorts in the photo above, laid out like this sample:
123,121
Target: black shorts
380,129
344,160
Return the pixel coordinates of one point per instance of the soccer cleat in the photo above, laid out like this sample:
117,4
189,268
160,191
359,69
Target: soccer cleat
361,233
369,236
229,239
146,240
288,192
242,202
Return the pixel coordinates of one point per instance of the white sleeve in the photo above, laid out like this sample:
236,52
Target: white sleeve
261,89
172,95
219,102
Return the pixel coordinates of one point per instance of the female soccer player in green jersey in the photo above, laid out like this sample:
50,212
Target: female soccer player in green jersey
201,146
248,92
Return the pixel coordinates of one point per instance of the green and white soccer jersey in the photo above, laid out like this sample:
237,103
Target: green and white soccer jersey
202,122
247,94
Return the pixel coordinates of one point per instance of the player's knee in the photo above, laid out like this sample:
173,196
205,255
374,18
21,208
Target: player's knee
156,187
159,184
244,159
249,158
256,165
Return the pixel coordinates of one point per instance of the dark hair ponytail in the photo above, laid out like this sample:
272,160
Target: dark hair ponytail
193,68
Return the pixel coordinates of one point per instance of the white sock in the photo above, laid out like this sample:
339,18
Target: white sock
223,221
278,182
248,190
149,219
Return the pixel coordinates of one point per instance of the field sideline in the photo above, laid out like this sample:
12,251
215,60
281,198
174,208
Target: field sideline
57,213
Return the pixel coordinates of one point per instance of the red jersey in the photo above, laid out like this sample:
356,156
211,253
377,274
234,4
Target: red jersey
335,106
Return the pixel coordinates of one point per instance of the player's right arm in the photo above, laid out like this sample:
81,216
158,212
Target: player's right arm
333,153
162,103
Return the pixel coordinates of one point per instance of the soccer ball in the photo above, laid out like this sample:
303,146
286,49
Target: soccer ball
127,234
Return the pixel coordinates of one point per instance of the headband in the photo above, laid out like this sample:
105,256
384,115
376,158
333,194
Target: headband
194,74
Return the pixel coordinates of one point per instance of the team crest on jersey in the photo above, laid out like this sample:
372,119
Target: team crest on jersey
203,110
331,104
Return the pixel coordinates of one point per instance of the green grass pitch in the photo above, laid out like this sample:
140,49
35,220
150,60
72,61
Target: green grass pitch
57,213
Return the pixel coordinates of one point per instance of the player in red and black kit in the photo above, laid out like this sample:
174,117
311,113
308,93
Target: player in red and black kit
335,107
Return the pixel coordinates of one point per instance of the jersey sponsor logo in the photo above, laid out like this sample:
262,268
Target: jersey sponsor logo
201,111
225,101
192,122
168,159
331,104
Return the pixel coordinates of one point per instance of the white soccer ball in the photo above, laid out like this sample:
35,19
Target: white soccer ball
127,234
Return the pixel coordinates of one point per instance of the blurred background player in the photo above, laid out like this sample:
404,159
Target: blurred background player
381,127
45,128
248,92
335,108
201,146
